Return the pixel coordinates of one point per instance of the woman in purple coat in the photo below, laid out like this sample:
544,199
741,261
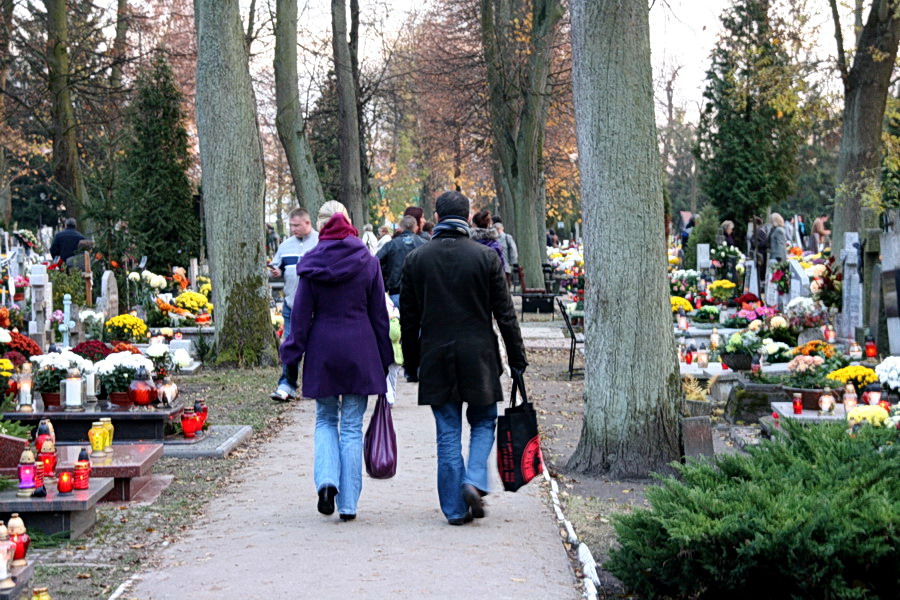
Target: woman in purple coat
340,322
484,233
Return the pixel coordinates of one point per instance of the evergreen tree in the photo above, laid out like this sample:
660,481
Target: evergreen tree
748,136
155,191
323,139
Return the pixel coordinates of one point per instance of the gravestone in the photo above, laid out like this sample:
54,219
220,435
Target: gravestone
703,261
771,298
696,433
109,289
851,315
751,278
890,282
41,299
799,281
193,272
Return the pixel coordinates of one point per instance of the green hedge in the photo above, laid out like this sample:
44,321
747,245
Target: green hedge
814,514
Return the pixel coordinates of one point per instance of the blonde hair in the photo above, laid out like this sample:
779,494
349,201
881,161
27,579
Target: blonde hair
776,220
328,210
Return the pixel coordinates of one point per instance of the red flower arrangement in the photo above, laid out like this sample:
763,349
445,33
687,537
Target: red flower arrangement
22,343
747,298
92,350
780,277
16,358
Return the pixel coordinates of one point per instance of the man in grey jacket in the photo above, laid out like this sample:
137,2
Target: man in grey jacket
510,251
303,239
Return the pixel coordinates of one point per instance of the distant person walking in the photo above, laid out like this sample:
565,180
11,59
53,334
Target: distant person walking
452,287
385,232
821,235
303,239
418,214
66,241
340,324
777,239
510,251
395,252
726,233
369,239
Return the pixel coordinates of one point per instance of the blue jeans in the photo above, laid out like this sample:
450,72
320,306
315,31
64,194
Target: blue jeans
289,373
452,473
395,298
339,447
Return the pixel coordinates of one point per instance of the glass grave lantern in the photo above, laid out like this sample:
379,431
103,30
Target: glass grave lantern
702,357
26,473
7,552
24,383
872,395
65,483
854,351
141,392
19,536
851,400
797,403
73,391
871,348
47,457
827,402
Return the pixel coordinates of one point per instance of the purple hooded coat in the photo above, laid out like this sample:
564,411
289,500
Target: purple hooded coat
339,320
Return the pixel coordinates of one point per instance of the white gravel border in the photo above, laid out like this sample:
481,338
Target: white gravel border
590,578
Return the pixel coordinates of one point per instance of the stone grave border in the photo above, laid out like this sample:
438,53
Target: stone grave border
590,579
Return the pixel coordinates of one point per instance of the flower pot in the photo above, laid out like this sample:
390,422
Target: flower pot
738,361
120,399
808,396
50,399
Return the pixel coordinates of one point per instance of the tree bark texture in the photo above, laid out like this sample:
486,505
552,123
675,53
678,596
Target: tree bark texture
866,85
348,117
632,391
6,24
233,183
518,109
66,164
289,121
119,44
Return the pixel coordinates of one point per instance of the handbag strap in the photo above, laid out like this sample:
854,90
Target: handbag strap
518,384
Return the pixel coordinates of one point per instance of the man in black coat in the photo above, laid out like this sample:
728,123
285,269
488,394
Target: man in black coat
394,253
451,288
66,241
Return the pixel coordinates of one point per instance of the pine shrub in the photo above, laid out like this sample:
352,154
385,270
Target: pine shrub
812,514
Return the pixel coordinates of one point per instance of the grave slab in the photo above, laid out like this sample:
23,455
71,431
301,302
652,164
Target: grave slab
75,513
218,443
22,577
129,466
131,425
785,410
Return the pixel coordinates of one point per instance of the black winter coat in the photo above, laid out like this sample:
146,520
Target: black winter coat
451,288
392,256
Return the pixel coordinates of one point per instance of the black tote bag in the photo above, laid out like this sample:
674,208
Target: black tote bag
519,456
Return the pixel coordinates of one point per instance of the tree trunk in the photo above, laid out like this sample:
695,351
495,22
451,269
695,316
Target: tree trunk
291,128
66,165
119,45
518,127
866,86
6,24
348,117
630,424
233,182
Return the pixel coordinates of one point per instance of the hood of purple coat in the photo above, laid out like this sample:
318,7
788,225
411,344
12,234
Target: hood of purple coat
335,261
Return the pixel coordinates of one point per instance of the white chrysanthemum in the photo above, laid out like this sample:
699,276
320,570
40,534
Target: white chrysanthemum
157,350
158,282
5,336
134,276
147,275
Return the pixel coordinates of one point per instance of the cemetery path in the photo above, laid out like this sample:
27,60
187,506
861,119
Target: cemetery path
265,539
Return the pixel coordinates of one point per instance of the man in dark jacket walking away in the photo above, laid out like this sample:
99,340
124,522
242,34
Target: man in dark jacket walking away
451,288
66,241
395,252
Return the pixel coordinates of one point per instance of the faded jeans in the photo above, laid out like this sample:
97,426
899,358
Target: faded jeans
289,373
339,447
452,472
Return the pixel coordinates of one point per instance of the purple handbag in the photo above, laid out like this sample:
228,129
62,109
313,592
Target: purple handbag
380,446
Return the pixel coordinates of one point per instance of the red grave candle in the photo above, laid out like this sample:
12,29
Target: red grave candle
82,475
66,482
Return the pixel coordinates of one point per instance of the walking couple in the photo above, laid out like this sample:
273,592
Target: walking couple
451,288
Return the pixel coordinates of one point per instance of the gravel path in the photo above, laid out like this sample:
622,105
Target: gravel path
266,539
